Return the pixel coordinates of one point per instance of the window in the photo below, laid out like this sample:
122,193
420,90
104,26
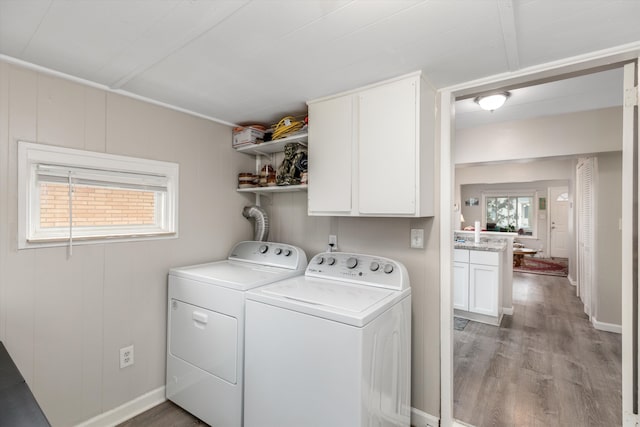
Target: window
68,196
510,212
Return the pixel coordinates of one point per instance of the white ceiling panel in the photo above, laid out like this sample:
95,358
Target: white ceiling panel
80,37
19,20
588,92
166,36
253,61
552,30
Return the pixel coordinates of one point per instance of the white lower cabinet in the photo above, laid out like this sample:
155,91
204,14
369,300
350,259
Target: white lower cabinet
461,285
477,286
483,289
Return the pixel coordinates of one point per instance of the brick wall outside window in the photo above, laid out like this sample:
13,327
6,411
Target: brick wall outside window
95,206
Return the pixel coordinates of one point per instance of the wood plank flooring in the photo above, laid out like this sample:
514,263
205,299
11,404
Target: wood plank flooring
166,414
544,366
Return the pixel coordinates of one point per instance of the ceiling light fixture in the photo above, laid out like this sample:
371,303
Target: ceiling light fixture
493,101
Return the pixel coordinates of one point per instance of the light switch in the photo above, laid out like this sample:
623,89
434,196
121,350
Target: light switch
417,238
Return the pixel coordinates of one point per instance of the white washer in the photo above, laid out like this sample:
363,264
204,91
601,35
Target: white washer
332,347
205,332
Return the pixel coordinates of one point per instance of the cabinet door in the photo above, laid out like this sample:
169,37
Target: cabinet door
387,149
483,289
461,285
330,155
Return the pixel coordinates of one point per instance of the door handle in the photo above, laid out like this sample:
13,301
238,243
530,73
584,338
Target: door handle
200,317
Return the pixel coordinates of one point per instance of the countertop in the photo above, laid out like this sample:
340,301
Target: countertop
482,246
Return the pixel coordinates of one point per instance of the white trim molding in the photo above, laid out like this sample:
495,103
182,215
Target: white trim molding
608,327
572,281
127,410
507,311
422,419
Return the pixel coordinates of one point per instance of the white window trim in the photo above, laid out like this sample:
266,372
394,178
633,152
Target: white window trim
31,154
514,193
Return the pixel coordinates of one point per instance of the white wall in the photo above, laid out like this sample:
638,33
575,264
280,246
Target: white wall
64,320
594,131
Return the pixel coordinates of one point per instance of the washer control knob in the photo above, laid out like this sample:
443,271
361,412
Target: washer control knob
287,252
388,268
331,260
263,249
320,260
278,251
352,262
374,266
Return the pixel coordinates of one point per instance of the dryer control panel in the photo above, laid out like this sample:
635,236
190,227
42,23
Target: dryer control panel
359,268
270,253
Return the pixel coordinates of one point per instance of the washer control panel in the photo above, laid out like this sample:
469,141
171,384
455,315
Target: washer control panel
359,268
269,253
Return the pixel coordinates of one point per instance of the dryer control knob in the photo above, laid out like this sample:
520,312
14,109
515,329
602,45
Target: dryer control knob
278,251
287,252
352,262
388,268
374,266
331,260
320,260
263,249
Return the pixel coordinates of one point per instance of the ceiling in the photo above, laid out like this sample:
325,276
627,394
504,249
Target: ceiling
256,61
589,92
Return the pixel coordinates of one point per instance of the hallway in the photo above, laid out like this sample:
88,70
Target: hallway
545,366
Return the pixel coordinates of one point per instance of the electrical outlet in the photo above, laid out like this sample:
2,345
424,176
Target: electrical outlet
333,242
417,238
126,356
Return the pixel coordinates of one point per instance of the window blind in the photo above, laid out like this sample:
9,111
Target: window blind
101,177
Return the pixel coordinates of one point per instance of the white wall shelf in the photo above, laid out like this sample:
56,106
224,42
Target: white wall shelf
274,189
270,147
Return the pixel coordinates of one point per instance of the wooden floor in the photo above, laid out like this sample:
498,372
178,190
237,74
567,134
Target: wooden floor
166,414
544,366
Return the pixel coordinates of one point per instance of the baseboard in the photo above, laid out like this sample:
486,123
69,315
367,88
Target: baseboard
573,282
507,311
155,397
128,410
609,327
422,419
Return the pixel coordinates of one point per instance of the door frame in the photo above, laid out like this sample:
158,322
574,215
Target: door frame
445,136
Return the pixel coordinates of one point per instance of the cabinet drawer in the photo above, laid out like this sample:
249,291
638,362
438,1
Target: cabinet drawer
484,257
461,255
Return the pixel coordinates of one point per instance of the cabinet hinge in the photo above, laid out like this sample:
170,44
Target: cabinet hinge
631,96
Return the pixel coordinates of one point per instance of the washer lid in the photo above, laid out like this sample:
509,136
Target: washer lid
341,296
343,302
234,274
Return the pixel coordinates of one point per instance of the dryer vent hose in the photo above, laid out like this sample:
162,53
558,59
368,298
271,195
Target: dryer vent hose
261,232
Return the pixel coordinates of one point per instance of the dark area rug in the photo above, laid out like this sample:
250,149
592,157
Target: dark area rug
459,323
550,266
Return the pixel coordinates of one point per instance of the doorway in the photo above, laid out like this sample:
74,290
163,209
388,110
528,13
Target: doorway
559,222
446,246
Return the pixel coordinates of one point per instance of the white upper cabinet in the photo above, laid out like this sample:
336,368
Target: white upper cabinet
331,174
371,151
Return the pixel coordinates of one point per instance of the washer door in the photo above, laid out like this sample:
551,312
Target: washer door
204,338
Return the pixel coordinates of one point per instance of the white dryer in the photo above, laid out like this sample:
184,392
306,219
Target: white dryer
205,331
332,347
